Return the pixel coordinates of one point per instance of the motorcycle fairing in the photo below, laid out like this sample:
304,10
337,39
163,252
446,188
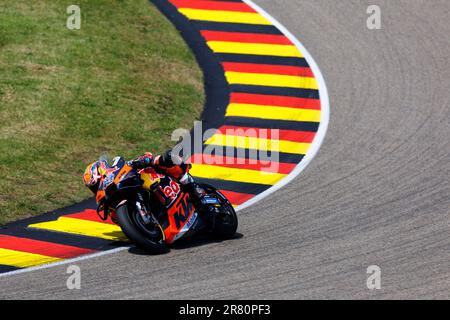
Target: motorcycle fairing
182,217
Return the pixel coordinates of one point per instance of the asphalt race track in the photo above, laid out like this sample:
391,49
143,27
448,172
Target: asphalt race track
378,192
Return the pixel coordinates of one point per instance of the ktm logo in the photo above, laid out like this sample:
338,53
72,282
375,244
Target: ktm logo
184,209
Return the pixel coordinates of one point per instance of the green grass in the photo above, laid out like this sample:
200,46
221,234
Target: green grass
119,86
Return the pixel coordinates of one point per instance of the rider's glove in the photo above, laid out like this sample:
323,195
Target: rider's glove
142,162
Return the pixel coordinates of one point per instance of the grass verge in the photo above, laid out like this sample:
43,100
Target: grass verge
119,85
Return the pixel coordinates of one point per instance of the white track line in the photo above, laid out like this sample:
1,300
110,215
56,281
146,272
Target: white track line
312,152
324,118
63,262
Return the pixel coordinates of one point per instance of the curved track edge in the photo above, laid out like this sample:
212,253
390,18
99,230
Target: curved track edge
74,233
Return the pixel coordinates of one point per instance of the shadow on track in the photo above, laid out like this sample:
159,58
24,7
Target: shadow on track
198,241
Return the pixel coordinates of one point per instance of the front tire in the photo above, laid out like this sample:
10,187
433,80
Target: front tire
137,236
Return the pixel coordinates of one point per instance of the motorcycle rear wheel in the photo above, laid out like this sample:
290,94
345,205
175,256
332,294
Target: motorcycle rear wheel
226,225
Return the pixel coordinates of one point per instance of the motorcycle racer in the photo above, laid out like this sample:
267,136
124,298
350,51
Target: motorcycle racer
166,163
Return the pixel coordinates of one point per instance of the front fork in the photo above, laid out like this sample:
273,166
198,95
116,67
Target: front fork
147,217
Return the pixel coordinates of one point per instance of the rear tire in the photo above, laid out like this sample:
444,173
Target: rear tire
226,230
137,236
226,227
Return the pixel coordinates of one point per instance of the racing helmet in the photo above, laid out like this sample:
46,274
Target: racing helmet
93,175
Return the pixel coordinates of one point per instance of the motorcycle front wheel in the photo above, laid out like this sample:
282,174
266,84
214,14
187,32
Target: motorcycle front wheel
148,239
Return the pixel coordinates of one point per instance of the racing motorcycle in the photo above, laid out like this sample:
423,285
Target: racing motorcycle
153,211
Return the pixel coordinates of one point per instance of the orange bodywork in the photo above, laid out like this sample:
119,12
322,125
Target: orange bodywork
126,168
101,193
179,214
